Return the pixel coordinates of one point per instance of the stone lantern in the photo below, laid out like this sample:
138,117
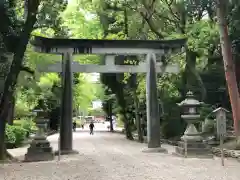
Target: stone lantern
40,149
191,143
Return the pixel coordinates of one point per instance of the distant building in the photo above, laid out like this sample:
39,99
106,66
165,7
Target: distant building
97,104
94,77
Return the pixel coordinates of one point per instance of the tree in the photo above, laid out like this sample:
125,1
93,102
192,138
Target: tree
19,32
229,66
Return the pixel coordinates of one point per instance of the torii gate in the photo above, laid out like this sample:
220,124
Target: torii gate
69,47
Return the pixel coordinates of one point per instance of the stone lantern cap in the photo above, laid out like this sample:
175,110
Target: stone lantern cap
190,100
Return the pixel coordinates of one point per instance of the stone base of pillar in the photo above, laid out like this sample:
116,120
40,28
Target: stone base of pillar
39,150
194,149
66,152
155,150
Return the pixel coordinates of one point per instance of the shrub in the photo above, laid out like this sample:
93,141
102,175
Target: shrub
20,134
172,126
15,135
10,136
26,124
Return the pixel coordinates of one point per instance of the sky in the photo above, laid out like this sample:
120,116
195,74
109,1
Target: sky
96,104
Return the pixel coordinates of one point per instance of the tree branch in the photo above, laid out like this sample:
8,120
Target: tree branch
151,25
146,14
28,70
171,10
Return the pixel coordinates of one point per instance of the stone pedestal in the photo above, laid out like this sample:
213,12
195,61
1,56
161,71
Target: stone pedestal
192,142
40,149
194,149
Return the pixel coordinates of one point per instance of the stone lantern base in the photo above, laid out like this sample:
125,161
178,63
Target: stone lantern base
39,150
192,143
194,149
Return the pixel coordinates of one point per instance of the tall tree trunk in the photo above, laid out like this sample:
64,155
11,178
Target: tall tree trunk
229,66
3,118
122,103
11,111
192,75
11,80
118,88
127,126
132,82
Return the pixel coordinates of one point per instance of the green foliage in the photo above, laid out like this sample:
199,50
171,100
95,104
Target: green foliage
25,101
18,132
79,123
10,136
15,135
96,112
206,112
82,23
84,92
26,124
119,121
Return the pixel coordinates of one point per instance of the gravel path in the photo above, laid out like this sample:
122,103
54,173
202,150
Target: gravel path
109,156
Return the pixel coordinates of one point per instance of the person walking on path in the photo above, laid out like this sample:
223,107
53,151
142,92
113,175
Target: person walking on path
91,126
74,125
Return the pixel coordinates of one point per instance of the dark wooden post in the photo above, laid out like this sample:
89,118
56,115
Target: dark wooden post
153,120
153,117
66,137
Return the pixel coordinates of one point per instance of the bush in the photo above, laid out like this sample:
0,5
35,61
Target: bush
20,134
26,124
15,135
10,136
172,125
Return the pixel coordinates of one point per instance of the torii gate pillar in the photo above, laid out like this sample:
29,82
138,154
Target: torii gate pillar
153,118
66,107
